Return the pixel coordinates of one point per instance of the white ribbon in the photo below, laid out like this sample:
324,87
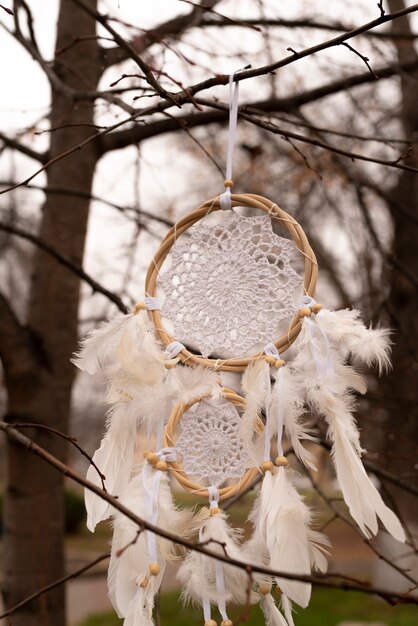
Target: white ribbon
152,304
172,350
271,350
225,198
151,500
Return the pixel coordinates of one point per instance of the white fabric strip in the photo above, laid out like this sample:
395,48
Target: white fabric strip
152,304
165,454
172,350
225,198
279,387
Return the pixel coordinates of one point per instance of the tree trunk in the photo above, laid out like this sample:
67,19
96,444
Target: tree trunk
34,513
401,387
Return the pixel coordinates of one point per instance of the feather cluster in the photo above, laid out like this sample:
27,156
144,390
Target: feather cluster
326,341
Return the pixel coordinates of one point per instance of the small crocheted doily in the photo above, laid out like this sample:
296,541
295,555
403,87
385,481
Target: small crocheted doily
209,443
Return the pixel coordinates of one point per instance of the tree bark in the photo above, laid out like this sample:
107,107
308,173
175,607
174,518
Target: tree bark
41,392
400,388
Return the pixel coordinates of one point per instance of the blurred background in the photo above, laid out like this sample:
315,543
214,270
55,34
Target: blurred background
331,138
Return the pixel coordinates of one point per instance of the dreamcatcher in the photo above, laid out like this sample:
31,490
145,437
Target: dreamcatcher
218,293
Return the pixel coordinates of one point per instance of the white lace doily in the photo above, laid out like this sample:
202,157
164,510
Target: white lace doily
209,443
229,285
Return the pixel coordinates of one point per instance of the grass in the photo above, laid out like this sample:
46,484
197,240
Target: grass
327,608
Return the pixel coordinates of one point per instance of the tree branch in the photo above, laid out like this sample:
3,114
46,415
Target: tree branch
136,134
301,23
321,580
41,157
63,260
170,28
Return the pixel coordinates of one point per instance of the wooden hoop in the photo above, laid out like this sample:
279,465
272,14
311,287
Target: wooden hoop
177,468
301,242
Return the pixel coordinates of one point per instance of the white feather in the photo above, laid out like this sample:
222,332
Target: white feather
287,609
319,546
114,458
189,383
95,348
368,345
130,565
362,498
198,572
293,405
140,608
271,613
283,522
254,387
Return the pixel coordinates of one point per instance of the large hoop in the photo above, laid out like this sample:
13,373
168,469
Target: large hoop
238,200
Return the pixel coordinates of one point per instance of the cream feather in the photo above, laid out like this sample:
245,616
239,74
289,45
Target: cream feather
363,499
271,613
140,608
198,572
129,566
293,408
283,522
254,387
101,342
319,546
346,329
189,383
114,458
287,609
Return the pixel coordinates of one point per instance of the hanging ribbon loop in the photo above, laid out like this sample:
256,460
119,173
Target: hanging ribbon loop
225,198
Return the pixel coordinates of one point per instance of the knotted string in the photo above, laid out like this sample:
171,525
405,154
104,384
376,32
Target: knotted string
152,304
225,198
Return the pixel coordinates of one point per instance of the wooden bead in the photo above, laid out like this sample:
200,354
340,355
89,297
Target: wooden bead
169,366
267,466
264,589
227,622
139,306
147,454
316,308
210,622
281,461
144,583
305,312
228,183
153,458
161,466
154,569
279,363
270,359
215,511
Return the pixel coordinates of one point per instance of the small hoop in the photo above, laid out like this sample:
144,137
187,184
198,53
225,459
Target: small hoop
301,242
177,469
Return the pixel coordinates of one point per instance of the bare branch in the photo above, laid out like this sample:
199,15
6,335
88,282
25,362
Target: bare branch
16,145
136,134
321,580
171,28
63,260
56,583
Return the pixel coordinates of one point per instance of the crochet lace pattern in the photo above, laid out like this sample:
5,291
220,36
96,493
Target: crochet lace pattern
209,443
229,285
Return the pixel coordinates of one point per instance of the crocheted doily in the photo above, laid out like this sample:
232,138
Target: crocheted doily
209,443
229,285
